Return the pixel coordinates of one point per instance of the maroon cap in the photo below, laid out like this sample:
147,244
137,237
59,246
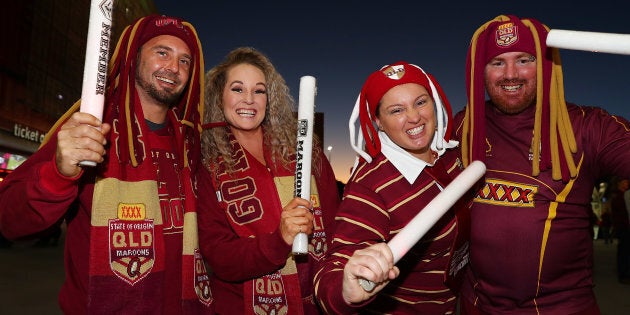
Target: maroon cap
156,25
509,33
509,36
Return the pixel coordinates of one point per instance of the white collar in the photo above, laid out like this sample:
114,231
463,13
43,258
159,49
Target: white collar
408,165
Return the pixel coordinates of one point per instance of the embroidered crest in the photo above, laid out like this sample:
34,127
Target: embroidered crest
202,281
395,72
506,34
131,249
269,295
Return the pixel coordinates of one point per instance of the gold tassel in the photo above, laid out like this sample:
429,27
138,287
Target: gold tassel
465,150
567,137
536,143
469,121
559,124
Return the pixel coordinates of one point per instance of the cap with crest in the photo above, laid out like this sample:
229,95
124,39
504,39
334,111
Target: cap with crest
156,25
122,75
376,85
508,33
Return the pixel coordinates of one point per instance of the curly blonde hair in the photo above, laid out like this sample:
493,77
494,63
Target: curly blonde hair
279,124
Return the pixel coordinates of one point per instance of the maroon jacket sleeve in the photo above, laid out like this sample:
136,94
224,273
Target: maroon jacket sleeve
607,137
230,257
35,196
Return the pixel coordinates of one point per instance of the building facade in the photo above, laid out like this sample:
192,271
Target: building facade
41,66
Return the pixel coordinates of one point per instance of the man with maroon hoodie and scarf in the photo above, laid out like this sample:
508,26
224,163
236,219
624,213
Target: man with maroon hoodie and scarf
531,248
131,245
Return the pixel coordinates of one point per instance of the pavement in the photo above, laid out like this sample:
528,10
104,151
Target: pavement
30,278
613,297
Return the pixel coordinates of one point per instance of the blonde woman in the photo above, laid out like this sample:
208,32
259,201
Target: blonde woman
248,227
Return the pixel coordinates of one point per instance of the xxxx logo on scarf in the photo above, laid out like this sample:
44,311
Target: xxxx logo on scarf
131,243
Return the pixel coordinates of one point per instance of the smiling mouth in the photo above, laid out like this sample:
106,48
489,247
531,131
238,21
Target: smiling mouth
415,131
511,88
246,112
166,80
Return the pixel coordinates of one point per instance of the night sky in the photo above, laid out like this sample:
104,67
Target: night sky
341,42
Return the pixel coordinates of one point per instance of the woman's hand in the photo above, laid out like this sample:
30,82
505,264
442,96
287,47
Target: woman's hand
296,217
374,263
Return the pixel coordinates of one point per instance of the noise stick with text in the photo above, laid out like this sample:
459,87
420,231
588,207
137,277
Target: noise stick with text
304,151
96,61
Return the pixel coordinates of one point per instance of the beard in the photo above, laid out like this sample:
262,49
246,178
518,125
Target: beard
168,98
511,104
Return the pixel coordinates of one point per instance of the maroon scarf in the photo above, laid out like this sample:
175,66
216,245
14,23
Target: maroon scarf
278,292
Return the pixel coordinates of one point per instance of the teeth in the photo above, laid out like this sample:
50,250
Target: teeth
511,88
246,112
166,80
415,131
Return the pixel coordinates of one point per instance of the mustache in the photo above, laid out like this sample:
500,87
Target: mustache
511,81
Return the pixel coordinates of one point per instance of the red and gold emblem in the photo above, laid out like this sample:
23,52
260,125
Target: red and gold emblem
395,72
202,281
131,234
506,34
